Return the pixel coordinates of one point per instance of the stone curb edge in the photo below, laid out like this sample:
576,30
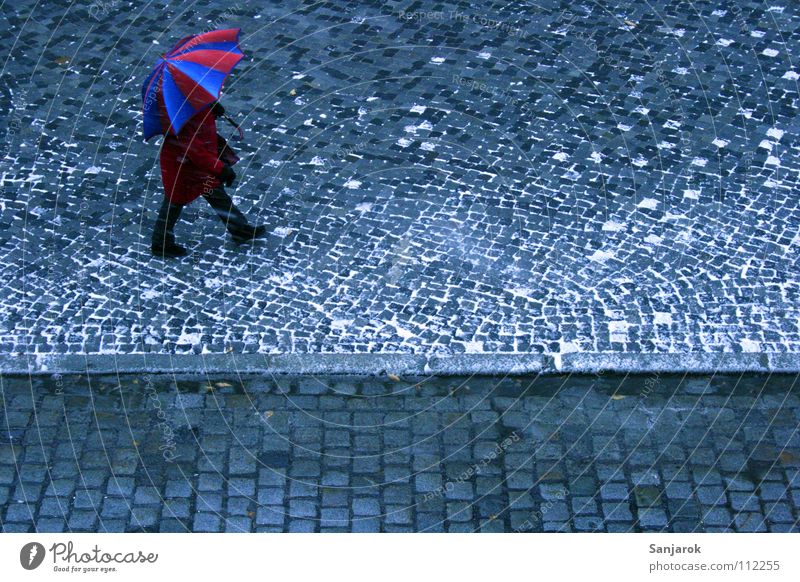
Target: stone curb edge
378,364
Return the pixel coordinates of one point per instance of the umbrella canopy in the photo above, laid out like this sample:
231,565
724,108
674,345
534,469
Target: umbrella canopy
188,78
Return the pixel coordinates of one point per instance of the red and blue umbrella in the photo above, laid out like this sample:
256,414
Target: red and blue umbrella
187,79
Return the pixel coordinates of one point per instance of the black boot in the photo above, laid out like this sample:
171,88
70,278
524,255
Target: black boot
163,242
248,234
232,217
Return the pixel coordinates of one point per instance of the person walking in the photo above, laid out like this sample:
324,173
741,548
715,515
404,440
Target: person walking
180,100
197,162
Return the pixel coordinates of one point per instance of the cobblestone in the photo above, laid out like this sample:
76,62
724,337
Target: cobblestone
413,173
556,477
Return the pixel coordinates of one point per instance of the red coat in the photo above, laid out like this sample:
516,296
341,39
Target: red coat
190,163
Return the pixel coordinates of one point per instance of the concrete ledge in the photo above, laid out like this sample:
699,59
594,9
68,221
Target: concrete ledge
789,363
486,364
311,364
401,364
693,363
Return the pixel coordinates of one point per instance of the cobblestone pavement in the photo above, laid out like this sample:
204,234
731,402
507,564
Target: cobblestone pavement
439,178
547,453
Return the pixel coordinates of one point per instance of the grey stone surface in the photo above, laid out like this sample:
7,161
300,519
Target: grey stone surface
523,453
543,180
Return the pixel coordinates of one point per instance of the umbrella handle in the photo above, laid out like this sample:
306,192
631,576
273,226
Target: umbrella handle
236,125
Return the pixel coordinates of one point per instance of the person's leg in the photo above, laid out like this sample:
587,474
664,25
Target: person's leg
232,217
163,241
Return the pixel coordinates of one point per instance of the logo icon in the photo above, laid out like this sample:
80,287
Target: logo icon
31,555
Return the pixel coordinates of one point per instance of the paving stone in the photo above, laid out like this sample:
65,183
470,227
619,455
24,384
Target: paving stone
242,462
614,492
85,499
428,482
366,525
302,508
783,528
678,490
19,512
238,506
209,502
178,489
300,489
555,511
271,478
270,496
50,525
238,524
459,511
145,517
335,497
270,516
207,522
773,491
366,506
17,528
53,507
711,495
584,506
302,526
717,517
176,508
334,517
589,524
652,518
779,513
61,487
647,496
336,479
210,482
397,515
302,469
145,495
617,511
237,486
750,522
115,507
120,486
460,527
744,501
82,521
462,491
397,494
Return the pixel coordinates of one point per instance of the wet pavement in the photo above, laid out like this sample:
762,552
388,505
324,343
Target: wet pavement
548,453
436,178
